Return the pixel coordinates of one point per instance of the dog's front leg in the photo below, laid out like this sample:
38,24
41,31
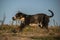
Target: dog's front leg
22,26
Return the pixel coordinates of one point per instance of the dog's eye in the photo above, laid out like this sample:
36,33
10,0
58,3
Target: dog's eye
16,15
21,16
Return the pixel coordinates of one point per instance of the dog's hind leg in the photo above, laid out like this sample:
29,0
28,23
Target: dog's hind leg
46,27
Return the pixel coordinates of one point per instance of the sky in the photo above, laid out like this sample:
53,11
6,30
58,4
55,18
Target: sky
30,7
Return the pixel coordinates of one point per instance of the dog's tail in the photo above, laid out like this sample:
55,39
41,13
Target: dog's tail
51,12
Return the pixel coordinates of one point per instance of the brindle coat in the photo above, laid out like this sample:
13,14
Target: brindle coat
41,19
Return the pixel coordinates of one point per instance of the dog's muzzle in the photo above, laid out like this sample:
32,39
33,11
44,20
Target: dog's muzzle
13,18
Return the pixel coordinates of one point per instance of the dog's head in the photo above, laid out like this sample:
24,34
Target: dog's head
19,16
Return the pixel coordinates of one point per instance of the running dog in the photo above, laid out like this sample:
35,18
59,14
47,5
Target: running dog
41,19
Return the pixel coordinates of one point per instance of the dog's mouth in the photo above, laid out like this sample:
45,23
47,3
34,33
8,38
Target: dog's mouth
21,19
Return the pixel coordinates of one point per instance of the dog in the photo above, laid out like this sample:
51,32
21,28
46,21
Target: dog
41,19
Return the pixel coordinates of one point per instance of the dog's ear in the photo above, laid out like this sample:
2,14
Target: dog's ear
19,13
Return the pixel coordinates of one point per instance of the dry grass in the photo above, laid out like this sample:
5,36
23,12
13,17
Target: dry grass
8,32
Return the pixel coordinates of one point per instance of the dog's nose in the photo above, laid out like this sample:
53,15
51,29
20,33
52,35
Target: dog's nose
13,18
